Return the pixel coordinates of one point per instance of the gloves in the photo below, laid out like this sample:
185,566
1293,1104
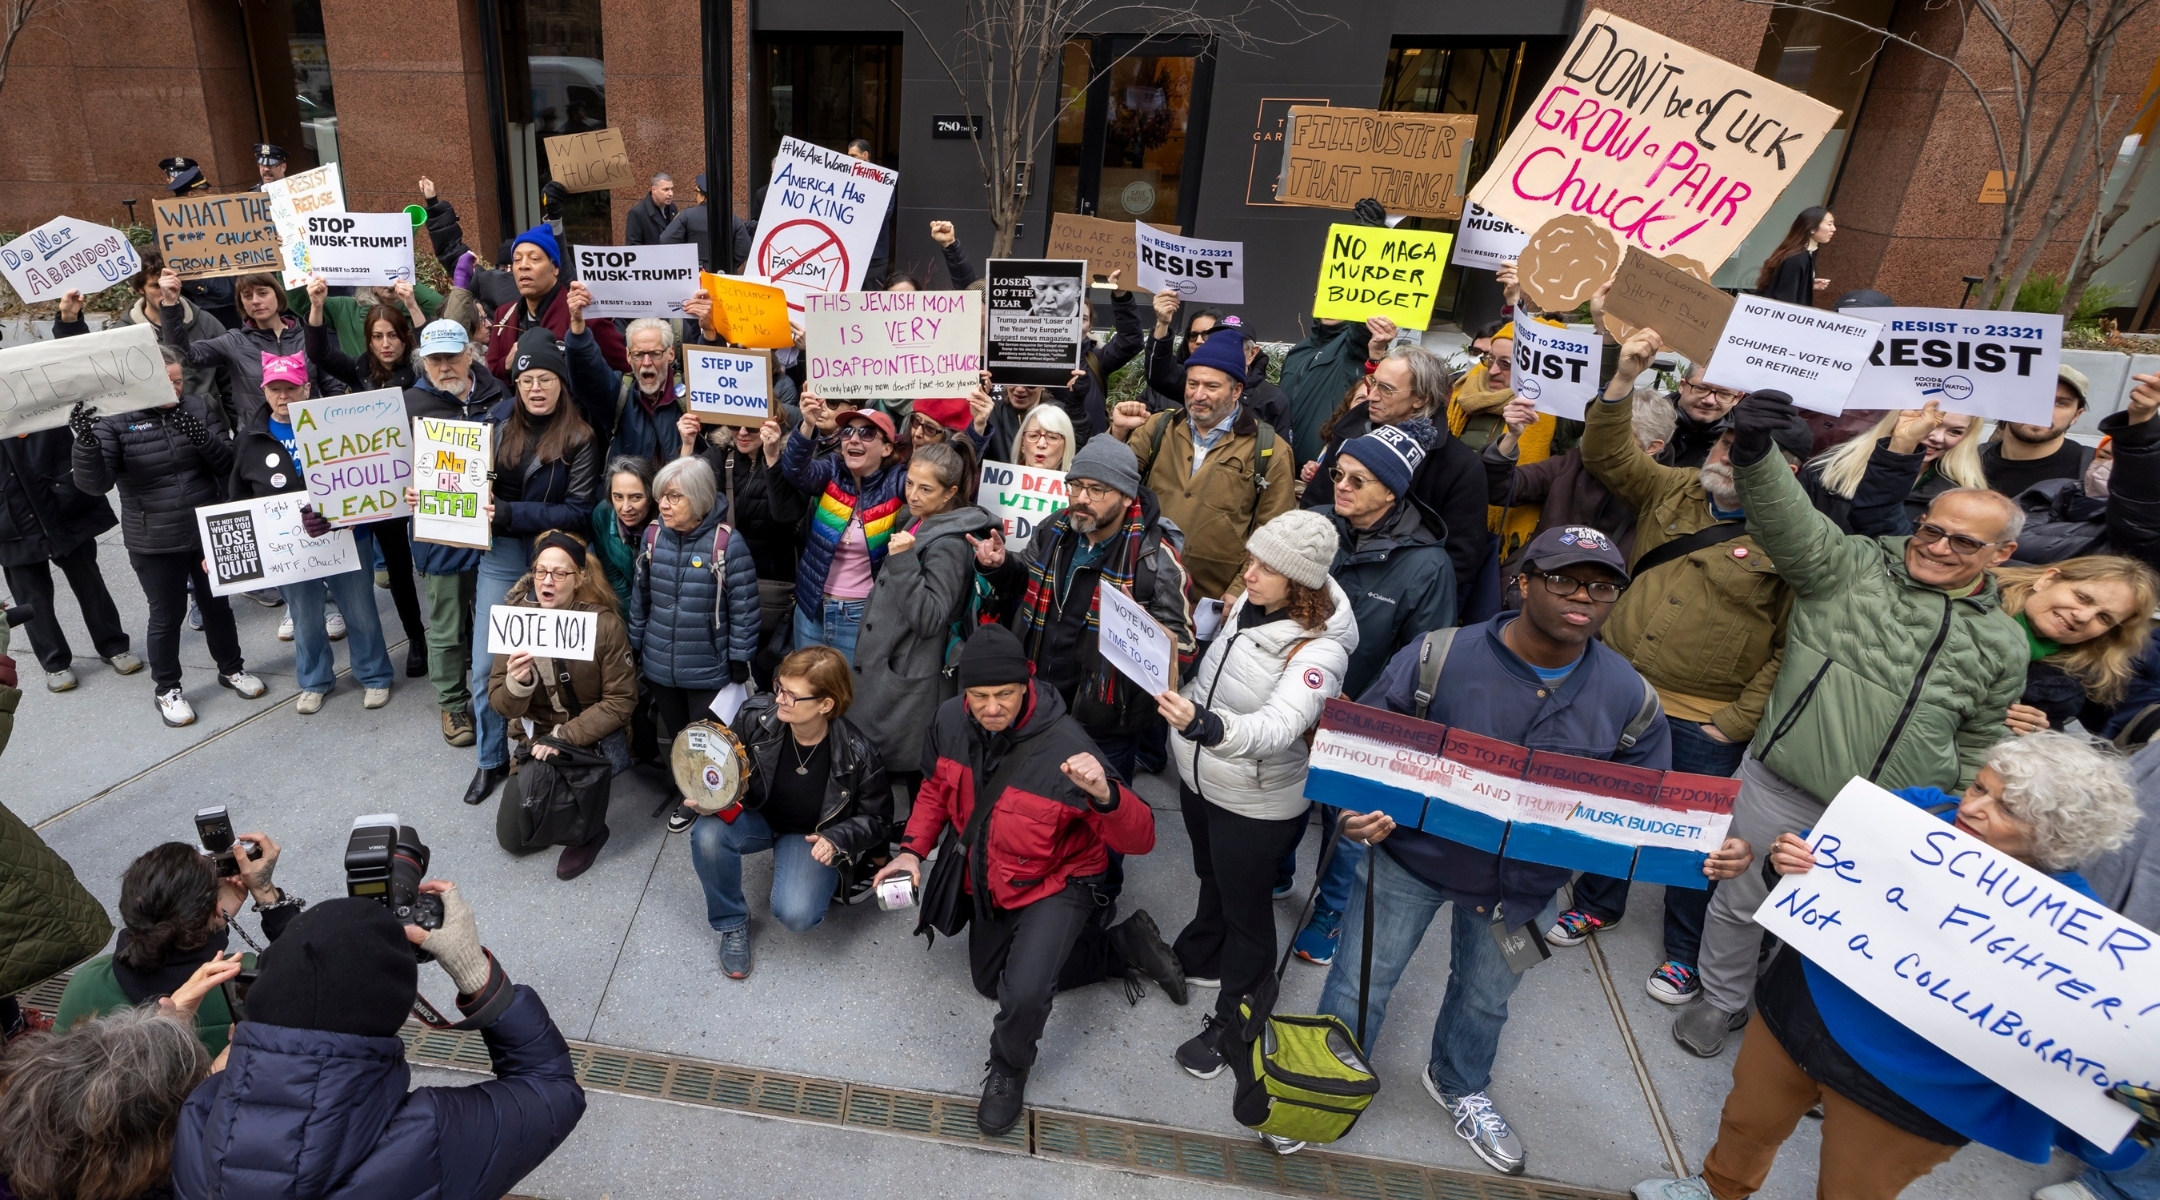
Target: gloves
2145,1102
190,426
1756,420
466,265
83,420
738,671
313,522
1206,729
1370,212
457,945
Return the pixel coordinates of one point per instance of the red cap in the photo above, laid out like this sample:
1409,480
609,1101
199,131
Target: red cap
883,422
951,413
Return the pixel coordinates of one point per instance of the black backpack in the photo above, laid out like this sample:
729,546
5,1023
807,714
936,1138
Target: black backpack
2061,522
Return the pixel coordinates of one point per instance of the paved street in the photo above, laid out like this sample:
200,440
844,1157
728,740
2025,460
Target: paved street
624,958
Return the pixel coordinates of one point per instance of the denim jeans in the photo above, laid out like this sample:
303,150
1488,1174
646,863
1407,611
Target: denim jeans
802,887
313,660
1342,869
503,565
1466,1037
838,623
2141,1182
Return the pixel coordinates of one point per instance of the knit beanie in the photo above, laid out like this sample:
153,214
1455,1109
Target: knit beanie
993,658
542,236
1300,544
1390,454
1107,460
343,966
537,350
1223,350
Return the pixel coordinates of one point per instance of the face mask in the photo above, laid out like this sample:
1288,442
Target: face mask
2096,478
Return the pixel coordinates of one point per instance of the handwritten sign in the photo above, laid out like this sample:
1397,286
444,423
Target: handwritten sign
293,200
729,387
356,452
360,249
1486,241
543,632
746,313
1992,190
66,254
1996,365
1105,246
1667,147
820,222
1411,163
259,543
1813,355
1372,760
2011,973
589,162
1704,802
1556,368
1371,272
450,472
1134,642
204,236
1021,497
637,281
1035,312
1586,814
1191,269
114,371
892,345
1687,311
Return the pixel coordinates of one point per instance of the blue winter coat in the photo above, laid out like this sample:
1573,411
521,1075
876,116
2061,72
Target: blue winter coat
616,412
684,628
299,1114
836,497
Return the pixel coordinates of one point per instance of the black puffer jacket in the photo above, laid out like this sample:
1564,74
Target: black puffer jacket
43,515
767,512
261,464
163,478
858,801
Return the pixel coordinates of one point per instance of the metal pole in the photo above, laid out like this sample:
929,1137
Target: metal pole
717,18
498,119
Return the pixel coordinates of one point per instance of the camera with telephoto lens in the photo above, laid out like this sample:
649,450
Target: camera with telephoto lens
214,827
386,860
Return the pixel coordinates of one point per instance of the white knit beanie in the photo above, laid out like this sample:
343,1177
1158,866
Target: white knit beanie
1300,544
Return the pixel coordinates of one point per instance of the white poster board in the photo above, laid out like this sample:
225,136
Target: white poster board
361,249
1191,269
543,632
728,386
1556,369
450,473
259,543
1949,936
1020,497
1811,354
356,452
292,200
1997,366
1486,241
114,371
1134,642
637,281
892,345
820,222
67,254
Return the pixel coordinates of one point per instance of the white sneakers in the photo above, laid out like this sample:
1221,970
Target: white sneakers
375,698
333,623
284,629
175,709
310,703
247,685
62,680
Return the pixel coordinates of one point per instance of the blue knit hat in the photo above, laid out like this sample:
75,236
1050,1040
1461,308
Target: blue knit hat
1390,454
1223,350
543,237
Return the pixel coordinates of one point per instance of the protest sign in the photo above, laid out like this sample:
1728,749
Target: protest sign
114,371
2010,972
543,632
1200,271
1390,273
1565,260
204,236
820,222
261,543
1664,146
747,314
360,249
1134,642
1033,320
1411,163
1372,760
1811,354
892,345
727,386
1556,368
1474,780
637,281
65,254
1105,246
1996,366
450,472
1487,242
1687,312
293,200
1704,802
1021,497
589,162
356,454
1586,814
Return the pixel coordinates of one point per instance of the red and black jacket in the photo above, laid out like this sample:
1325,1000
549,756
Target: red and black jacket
1043,830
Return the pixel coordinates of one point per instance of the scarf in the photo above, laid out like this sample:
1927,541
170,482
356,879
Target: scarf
1038,604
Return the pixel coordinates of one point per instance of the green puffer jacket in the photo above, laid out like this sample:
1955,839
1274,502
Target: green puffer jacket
1884,677
48,920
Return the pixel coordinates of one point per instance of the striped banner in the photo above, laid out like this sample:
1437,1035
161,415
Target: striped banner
1581,813
1698,812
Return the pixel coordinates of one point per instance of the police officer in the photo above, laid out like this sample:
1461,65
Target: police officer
183,177
269,163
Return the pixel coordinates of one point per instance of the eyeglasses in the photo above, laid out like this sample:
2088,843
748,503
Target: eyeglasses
673,498
1727,395
543,573
1964,547
1355,483
858,433
1567,585
783,696
1043,435
648,355
1386,389
1091,490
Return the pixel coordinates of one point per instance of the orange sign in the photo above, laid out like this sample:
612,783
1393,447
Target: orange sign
746,313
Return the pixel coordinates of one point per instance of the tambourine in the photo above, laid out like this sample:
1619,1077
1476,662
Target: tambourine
711,766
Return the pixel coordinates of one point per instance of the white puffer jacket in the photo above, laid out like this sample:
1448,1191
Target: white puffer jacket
1267,697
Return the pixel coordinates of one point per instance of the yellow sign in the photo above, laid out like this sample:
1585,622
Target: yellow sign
1992,190
746,313
1368,271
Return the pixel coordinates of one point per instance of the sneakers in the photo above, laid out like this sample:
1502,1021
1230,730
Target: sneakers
194,615
174,708
853,890
62,680
1673,983
375,697
1202,1055
1701,1028
1145,951
2073,1190
1281,1145
284,629
1691,1188
1004,1099
310,703
245,684
1575,927
124,663
268,598
334,624
1283,888
457,728
1202,981
681,819
1316,942
382,579
735,953
1481,1125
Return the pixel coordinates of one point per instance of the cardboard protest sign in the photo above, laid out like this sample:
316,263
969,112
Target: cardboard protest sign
1033,320
360,249
746,313
114,371
728,386
66,254
820,222
293,200
1813,355
356,452
1557,369
543,632
1370,272
1993,365
1564,262
637,281
892,345
261,543
589,162
1200,271
1487,242
1021,497
1586,814
204,236
1134,642
450,471
1105,246
1680,304
1411,163
1661,145
1703,803
1947,936
1372,760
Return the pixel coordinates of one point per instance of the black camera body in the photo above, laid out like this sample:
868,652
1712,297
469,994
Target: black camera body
213,827
385,861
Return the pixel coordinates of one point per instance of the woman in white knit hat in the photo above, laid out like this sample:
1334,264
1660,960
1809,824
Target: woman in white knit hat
1240,748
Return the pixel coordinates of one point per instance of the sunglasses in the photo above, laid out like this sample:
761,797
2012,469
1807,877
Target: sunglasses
1355,483
1964,547
859,433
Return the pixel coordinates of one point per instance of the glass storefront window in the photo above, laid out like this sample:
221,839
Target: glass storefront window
295,106
1439,76
827,92
1071,127
1150,101
554,82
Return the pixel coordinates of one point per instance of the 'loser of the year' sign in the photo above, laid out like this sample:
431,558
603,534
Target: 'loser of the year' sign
1668,147
1021,497
728,386
361,249
892,345
637,281
1810,354
2013,974
1990,365
1189,268
543,632
1556,367
356,454
1392,273
66,254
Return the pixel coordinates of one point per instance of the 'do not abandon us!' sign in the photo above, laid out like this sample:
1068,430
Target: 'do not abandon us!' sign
66,254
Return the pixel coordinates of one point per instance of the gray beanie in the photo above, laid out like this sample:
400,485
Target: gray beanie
1107,460
1300,544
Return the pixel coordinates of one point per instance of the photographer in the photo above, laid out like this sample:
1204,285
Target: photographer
315,1088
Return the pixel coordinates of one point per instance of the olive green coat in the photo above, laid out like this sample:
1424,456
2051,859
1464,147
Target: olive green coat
48,920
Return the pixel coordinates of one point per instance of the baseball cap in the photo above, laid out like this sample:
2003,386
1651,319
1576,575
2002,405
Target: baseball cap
443,336
884,423
2075,378
1567,545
